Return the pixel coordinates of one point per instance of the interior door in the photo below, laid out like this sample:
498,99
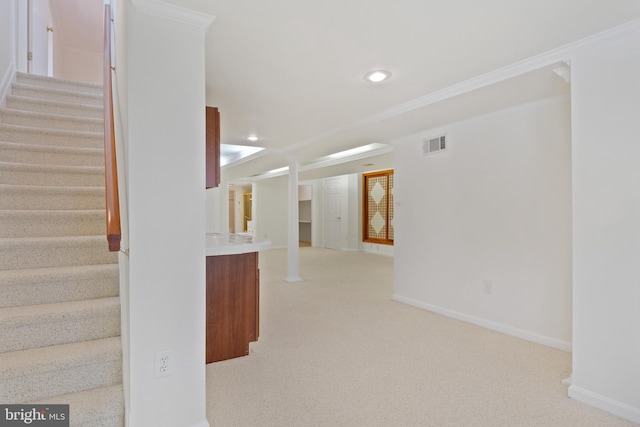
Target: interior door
333,191
40,38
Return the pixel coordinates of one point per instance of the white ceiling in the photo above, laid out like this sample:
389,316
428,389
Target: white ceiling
290,71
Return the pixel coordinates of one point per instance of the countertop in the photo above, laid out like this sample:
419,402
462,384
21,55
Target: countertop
232,244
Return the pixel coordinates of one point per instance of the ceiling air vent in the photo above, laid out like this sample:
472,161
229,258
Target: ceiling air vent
433,145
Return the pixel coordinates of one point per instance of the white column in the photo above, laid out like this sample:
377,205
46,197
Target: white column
165,134
293,243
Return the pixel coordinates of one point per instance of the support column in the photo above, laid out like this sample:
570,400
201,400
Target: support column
165,154
293,244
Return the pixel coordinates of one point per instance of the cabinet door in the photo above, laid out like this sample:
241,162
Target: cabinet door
232,305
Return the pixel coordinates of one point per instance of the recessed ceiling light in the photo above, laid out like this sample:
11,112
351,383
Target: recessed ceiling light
252,138
376,76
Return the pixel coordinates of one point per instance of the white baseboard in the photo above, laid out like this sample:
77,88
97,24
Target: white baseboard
606,404
5,83
203,423
505,329
369,251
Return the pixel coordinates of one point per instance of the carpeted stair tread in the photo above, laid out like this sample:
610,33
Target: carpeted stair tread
40,373
98,407
51,223
24,103
56,94
42,197
55,82
44,325
57,284
51,155
60,309
55,137
50,121
51,175
39,252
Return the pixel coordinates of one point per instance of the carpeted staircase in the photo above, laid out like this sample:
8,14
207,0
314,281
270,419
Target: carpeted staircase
59,305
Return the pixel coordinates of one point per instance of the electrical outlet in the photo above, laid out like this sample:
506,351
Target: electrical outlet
162,364
488,287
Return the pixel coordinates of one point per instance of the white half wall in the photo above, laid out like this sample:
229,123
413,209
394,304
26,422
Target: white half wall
483,229
7,47
165,147
606,223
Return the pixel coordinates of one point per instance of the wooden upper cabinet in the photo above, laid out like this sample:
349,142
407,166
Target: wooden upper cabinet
213,147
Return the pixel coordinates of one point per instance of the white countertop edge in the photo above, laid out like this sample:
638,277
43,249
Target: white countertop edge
237,248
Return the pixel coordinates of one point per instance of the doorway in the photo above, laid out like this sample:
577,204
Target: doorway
247,207
304,215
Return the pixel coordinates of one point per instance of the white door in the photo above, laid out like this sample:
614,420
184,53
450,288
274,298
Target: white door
40,38
333,191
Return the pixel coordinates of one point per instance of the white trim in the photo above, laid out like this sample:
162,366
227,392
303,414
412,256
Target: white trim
5,83
372,252
505,329
204,423
605,403
442,129
557,55
176,13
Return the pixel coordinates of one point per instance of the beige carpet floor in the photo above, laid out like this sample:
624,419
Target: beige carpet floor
335,350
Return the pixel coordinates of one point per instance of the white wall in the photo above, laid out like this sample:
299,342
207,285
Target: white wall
495,206
271,200
79,65
7,46
214,199
165,133
606,223
353,231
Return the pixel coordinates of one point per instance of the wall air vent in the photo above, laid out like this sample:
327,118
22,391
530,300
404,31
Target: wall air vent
434,144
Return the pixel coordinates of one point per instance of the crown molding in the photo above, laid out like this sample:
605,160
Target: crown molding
173,12
562,54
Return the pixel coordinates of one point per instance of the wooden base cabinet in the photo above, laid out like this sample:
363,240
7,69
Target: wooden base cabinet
233,303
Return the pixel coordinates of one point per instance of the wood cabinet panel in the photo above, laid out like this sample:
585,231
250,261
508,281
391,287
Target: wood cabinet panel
212,147
233,292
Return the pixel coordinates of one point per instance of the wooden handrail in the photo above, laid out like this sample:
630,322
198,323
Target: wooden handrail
110,169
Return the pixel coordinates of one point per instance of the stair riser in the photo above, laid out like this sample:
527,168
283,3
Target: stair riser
16,177
41,385
21,255
54,95
51,122
65,109
98,282
103,407
42,331
17,154
58,139
24,198
51,224
46,82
